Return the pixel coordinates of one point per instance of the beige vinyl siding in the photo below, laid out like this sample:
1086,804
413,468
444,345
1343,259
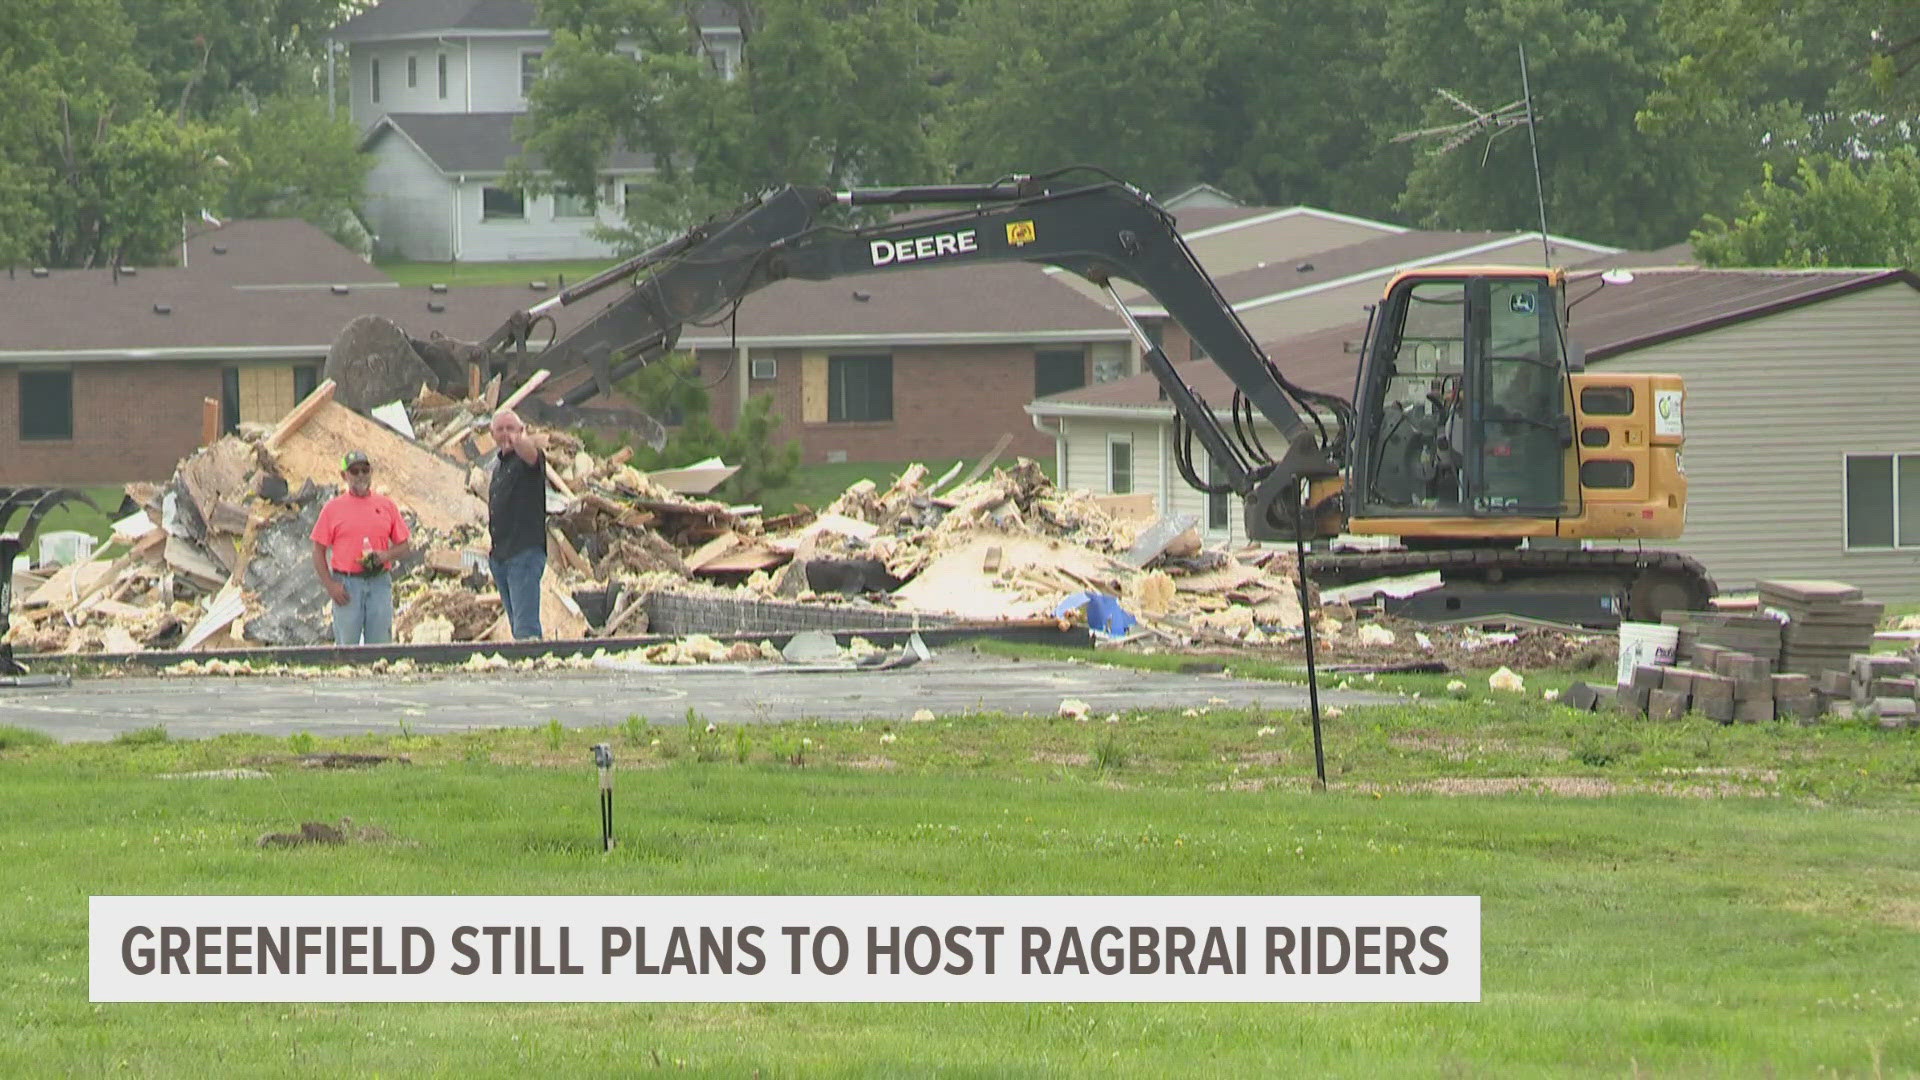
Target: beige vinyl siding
1086,456
1773,404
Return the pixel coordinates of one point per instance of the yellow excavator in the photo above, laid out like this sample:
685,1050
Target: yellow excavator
1473,434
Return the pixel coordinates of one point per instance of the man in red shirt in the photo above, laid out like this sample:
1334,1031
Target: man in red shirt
359,536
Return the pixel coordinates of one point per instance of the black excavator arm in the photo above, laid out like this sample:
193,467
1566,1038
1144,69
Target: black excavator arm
1105,231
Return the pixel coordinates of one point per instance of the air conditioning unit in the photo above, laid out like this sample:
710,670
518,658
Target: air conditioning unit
764,367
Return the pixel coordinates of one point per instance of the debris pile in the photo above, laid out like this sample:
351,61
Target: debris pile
219,556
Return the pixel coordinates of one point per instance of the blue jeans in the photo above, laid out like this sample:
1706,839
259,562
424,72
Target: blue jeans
518,578
367,616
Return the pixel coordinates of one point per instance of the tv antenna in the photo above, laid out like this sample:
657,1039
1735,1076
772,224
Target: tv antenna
1492,123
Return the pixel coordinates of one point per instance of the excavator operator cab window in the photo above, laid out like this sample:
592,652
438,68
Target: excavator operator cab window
1416,448
1466,395
1521,399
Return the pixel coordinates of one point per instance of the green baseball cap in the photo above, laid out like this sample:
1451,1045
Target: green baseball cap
354,457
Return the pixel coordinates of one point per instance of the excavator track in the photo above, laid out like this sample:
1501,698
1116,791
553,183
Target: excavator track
1596,588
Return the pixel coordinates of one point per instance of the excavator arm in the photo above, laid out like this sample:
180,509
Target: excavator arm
1104,231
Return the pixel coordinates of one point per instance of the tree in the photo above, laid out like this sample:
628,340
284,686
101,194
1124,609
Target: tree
291,160
1811,75
1111,83
207,55
1591,68
671,386
1834,212
828,92
1289,124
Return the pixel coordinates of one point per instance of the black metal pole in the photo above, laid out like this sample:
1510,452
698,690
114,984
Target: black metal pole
1306,623
603,757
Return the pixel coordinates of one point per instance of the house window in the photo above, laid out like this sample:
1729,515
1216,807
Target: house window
1120,464
1219,511
502,204
570,206
413,71
859,388
1055,371
46,405
374,67
529,71
443,76
1883,501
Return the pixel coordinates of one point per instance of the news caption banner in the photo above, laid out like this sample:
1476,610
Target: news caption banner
785,948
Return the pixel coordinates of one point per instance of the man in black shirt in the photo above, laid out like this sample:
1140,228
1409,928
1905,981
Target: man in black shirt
517,519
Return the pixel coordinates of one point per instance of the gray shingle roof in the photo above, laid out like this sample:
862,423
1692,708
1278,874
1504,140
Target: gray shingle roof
1659,305
412,18
474,142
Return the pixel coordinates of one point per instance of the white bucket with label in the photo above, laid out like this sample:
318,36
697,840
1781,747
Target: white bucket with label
1645,643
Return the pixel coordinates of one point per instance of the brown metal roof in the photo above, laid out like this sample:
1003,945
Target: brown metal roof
81,311
1659,305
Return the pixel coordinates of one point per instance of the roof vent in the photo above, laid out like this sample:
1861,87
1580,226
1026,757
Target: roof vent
41,271
537,286
863,297
436,306
219,249
340,290
163,309
438,286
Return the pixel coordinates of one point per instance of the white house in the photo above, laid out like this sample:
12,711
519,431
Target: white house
436,85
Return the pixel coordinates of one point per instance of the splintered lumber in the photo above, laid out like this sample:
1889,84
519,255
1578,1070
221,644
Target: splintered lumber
209,420
713,549
745,560
492,393
293,421
695,479
218,474
620,457
187,561
226,607
986,463
1138,508
526,388
564,552
433,489
67,584
956,583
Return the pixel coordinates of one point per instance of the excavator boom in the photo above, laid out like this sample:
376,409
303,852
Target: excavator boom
1104,231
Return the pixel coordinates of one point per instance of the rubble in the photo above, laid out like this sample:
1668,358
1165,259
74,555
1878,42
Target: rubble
221,558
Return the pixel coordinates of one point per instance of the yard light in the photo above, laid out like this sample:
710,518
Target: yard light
603,757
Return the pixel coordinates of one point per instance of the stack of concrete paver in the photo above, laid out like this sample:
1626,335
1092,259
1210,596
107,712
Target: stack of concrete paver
1754,633
1826,623
1881,688
1721,684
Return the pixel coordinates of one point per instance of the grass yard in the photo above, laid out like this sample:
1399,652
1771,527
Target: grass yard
492,273
1673,899
81,518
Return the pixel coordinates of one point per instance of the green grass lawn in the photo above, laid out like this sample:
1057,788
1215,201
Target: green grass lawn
492,273
82,518
815,486
1729,902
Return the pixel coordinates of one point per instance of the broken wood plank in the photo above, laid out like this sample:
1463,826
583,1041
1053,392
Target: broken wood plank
185,559
986,463
301,413
745,561
228,517
209,420
563,552
227,606
426,485
492,393
990,562
713,549
446,561
619,457
526,388
622,617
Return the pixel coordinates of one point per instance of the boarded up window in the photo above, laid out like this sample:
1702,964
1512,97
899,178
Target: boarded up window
46,405
859,388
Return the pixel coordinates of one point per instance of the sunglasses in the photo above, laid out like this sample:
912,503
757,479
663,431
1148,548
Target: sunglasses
360,470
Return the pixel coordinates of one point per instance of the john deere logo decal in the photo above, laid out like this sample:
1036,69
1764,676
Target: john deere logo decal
1019,232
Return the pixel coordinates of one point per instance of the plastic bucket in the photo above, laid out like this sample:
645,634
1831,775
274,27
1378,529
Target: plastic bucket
1645,643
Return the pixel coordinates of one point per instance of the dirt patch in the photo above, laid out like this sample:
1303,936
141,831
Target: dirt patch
873,763
1577,787
1459,747
1266,757
1046,758
1459,647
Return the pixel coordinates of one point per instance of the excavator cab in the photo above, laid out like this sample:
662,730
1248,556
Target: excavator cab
1475,422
